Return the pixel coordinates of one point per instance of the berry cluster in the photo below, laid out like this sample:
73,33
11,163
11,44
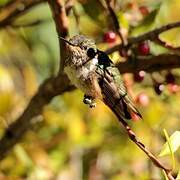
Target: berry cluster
143,49
157,86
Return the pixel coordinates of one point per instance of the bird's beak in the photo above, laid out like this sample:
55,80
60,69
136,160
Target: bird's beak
66,41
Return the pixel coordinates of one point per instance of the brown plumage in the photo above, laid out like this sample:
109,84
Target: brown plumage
119,103
97,76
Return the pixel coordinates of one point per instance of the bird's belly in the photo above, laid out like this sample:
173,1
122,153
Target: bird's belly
80,78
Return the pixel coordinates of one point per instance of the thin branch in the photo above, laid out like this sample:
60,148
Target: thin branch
12,10
61,21
132,136
113,49
175,50
151,35
115,21
69,5
15,9
154,63
153,159
77,19
59,15
102,4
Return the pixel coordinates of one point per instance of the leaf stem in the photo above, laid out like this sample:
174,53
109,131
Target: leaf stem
170,148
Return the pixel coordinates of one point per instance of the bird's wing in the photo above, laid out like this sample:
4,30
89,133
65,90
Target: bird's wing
115,93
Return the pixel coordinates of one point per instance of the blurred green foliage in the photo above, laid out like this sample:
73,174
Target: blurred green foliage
71,141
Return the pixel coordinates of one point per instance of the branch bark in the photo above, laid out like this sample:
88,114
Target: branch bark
15,9
115,21
50,88
61,21
151,35
12,10
152,64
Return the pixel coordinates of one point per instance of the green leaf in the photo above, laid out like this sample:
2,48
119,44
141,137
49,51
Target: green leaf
170,148
168,12
166,178
175,143
146,25
172,8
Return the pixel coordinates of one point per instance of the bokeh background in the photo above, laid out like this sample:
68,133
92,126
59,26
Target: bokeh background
69,140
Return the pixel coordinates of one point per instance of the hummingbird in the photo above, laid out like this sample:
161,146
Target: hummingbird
93,72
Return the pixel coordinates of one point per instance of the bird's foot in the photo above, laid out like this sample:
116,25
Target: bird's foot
89,101
92,105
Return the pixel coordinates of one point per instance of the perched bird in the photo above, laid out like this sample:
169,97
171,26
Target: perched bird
92,71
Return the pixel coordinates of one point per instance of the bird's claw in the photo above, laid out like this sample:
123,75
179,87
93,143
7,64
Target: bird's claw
92,105
89,101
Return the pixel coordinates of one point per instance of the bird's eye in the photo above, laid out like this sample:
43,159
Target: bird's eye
91,53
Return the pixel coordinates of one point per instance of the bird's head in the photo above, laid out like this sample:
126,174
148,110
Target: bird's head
80,49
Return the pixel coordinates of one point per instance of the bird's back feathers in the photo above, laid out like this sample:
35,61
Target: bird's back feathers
115,94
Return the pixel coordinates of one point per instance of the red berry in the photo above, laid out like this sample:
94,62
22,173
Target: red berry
142,99
143,48
135,117
139,76
173,88
158,87
170,78
144,10
109,37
